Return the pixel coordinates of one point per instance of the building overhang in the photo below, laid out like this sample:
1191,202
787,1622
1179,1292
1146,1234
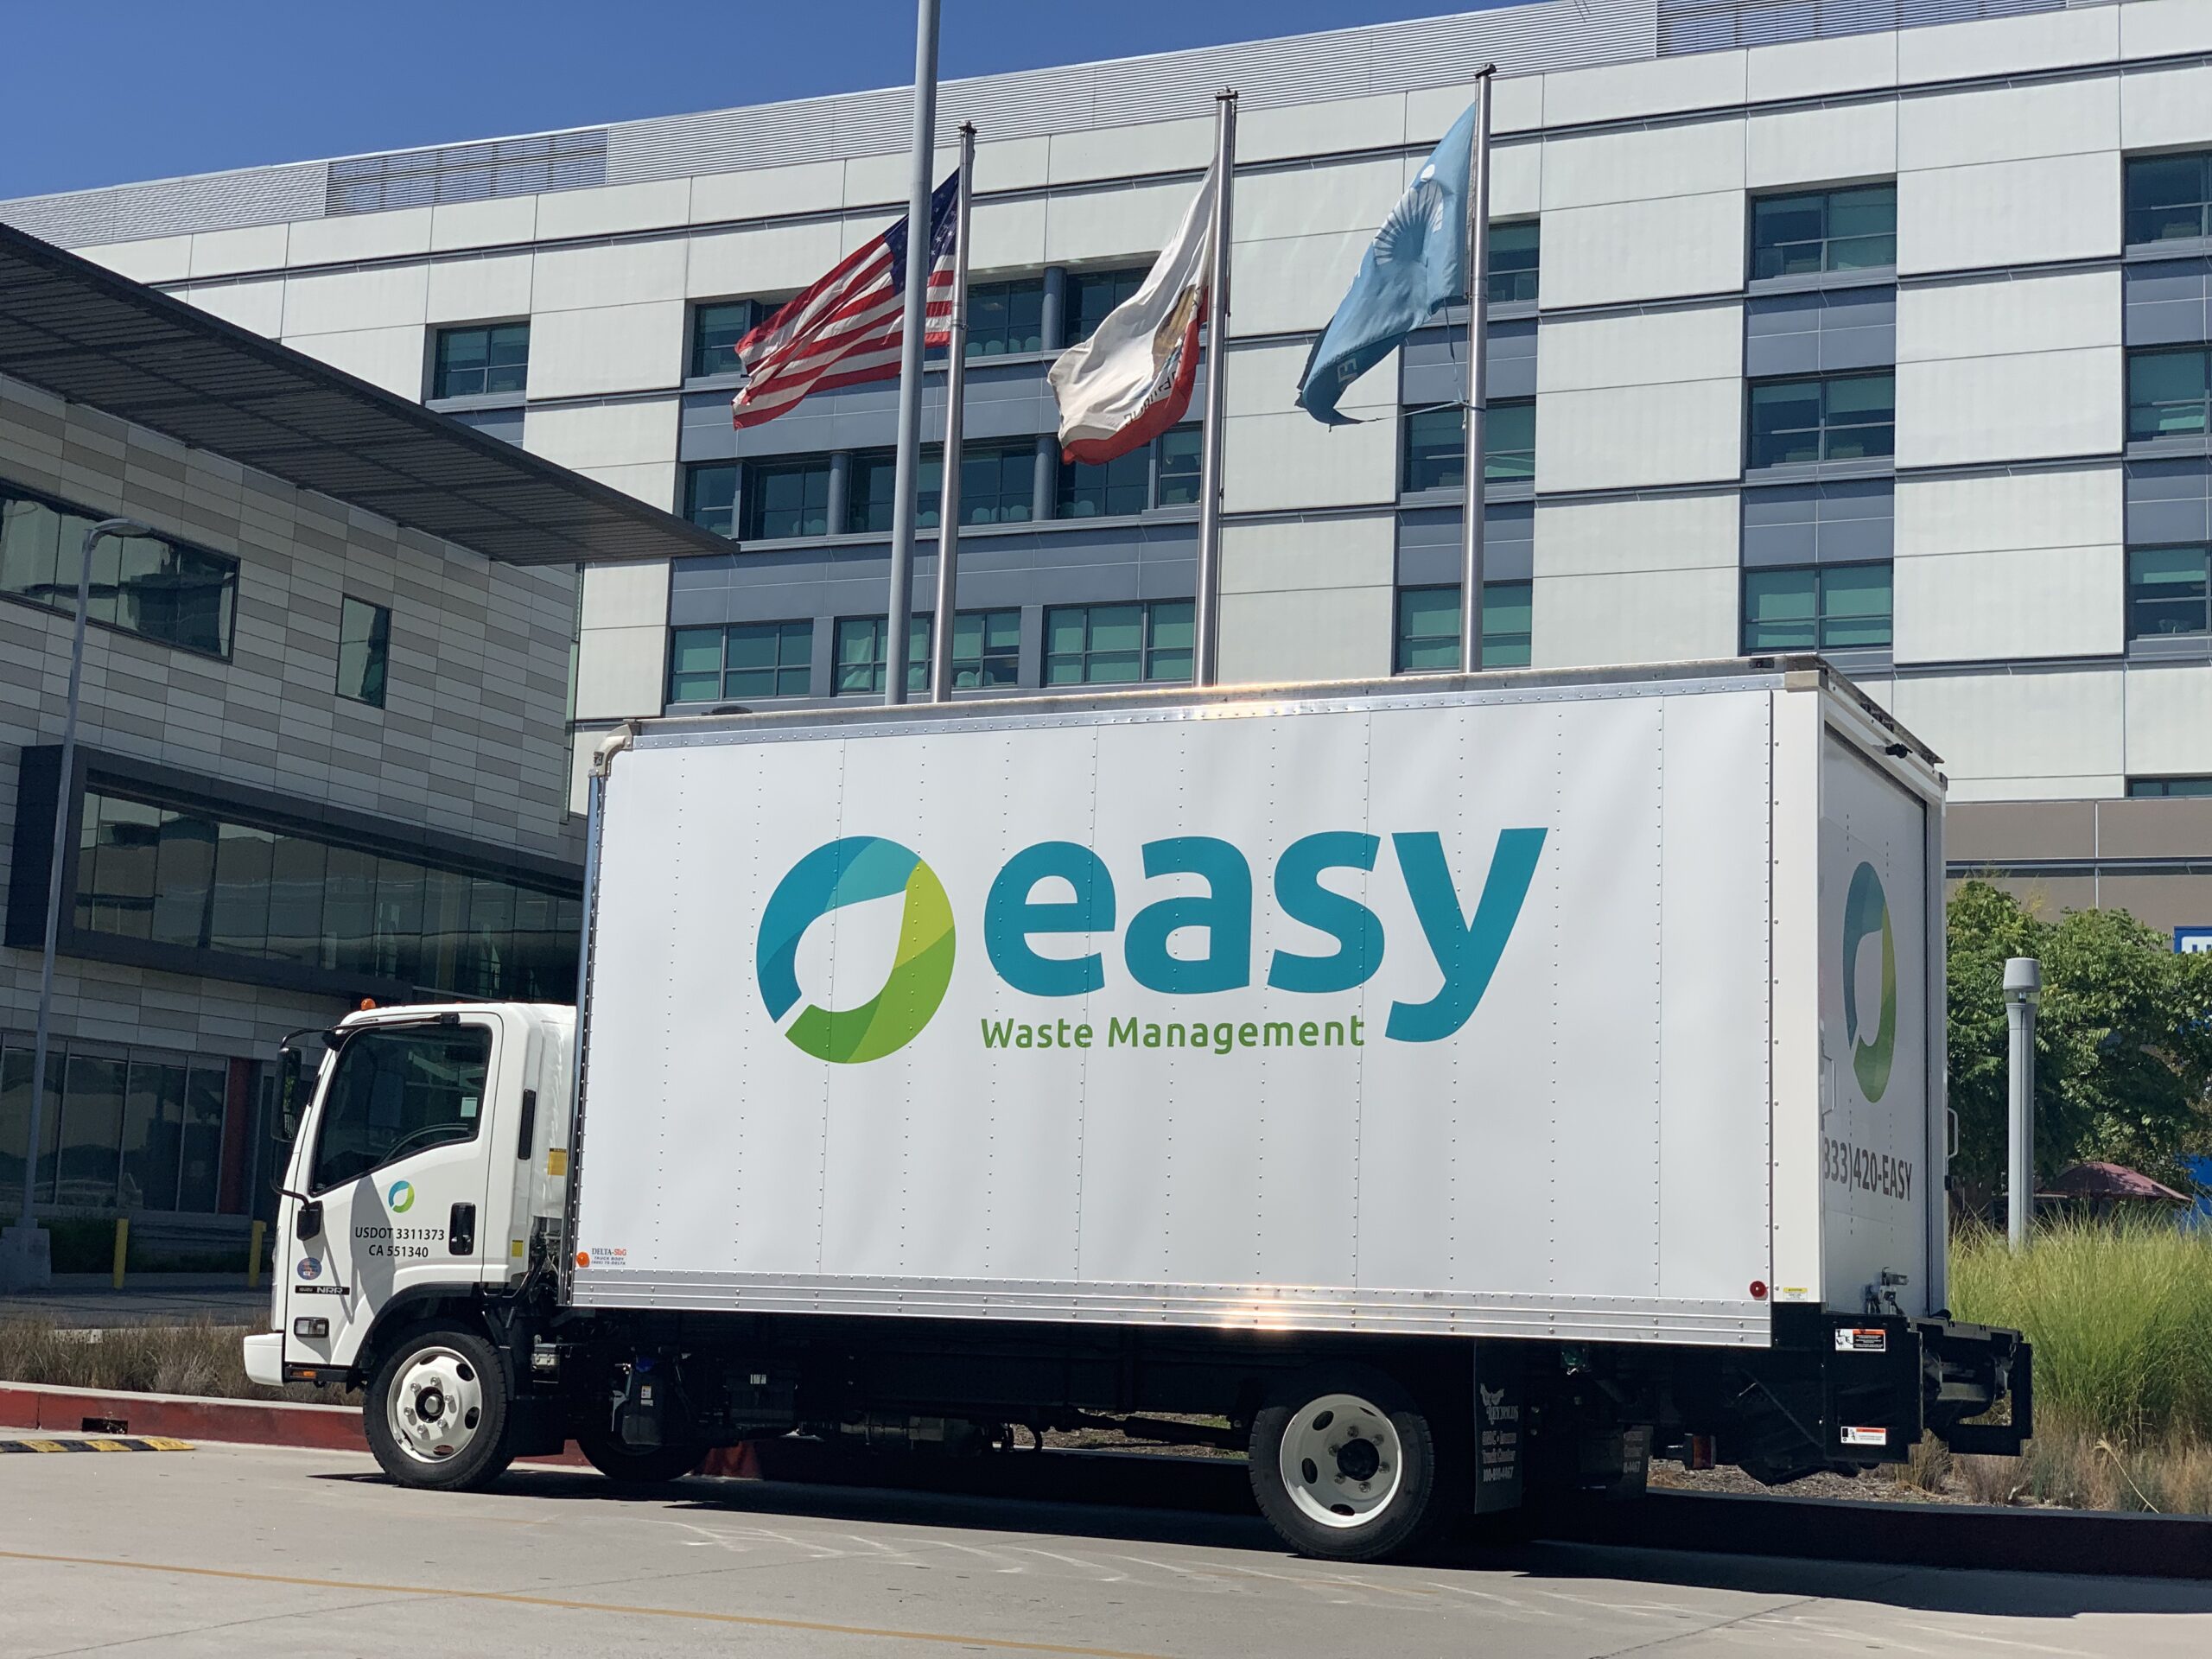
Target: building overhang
85,333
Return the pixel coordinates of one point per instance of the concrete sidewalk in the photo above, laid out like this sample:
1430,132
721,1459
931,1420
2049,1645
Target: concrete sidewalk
89,1301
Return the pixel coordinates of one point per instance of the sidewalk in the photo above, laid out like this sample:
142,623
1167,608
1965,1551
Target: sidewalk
89,1301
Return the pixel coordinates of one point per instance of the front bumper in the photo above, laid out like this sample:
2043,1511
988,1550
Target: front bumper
264,1358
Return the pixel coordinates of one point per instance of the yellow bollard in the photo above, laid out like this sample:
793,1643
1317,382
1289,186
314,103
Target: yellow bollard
122,1246
253,1256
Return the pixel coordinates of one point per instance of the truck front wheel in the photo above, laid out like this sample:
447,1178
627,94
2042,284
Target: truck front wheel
1344,1465
437,1411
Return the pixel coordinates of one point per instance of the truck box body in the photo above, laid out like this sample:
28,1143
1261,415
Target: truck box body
1590,1008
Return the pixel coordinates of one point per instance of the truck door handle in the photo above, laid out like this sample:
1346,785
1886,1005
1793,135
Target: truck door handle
460,1233
528,1133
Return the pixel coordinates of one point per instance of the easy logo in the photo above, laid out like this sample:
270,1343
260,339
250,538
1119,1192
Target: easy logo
1865,908
850,872
401,1198
310,1267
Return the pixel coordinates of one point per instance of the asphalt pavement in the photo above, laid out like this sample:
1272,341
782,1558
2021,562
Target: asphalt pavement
89,1301
238,1551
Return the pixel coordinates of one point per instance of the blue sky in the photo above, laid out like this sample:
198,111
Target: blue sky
123,89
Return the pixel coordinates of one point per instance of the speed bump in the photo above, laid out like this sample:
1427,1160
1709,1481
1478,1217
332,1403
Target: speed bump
101,1443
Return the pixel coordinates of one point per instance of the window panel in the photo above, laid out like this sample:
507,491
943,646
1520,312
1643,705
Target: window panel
487,955
1429,628
1837,417
162,590
395,935
1823,607
862,651
364,649
1118,644
16,1121
1803,234
1093,295
184,873
199,1158
89,1154
1181,461
1005,317
2169,591
715,330
238,912
869,493
786,499
1513,262
295,873
481,361
757,659
153,1133
2159,788
986,649
695,664
1508,443
126,853
2167,197
1117,488
2167,394
349,910
710,496
998,483
397,1092
1436,450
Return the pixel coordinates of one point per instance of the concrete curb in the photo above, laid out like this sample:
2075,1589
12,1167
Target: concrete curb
244,1422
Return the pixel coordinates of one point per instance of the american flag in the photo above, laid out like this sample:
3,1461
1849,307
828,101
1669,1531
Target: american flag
846,329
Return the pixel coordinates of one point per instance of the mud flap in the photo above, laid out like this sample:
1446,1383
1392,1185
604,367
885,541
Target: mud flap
1500,1441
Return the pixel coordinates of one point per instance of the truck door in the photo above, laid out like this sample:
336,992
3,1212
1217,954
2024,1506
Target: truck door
399,1167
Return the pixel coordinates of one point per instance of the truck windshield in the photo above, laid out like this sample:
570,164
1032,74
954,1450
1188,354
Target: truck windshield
399,1091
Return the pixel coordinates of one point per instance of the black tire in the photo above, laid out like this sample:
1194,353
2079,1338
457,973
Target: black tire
1298,1411
479,1454
651,1465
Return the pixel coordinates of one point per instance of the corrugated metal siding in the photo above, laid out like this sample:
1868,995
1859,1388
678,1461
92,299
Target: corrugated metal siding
503,167
1717,25
129,213
1342,63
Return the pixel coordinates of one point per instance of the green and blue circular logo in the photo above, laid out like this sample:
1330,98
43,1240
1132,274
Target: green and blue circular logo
850,872
401,1198
1865,908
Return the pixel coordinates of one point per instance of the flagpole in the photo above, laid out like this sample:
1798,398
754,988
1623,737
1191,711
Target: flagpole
920,256
956,396
1204,618
1471,534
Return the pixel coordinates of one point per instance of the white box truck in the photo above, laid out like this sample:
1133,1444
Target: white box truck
1460,1089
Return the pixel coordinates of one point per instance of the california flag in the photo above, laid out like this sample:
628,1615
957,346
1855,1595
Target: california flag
1131,380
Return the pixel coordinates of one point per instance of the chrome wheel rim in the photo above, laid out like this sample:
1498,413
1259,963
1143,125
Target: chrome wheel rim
1341,1461
436,1406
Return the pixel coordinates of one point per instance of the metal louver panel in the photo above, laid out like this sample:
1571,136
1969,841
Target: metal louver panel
502,167
213,201
1718,25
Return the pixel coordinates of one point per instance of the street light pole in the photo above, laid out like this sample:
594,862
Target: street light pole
2023,991
32,1264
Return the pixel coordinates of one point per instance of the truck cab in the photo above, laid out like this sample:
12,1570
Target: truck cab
429,1150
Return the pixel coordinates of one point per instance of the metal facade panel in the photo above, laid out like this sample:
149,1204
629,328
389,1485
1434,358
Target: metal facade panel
1491,1163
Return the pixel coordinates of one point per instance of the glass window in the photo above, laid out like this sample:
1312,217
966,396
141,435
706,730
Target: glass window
145,584
1005,317
1092,295
2168,592
1513,255
85,1164
1836,417
478,361
1117,488
364,649
1428,627
710,496
786,498
1854,229
2168,197
863,648
1435,456
199,1157
2158,788
1181,461
16,1121
1817,607
399,1091
2167,394
986,649
153,1133
1110,644
998,483
715,330
869,493
743,663
189,879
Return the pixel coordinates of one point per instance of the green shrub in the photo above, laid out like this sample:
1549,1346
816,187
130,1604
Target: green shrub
2122,1320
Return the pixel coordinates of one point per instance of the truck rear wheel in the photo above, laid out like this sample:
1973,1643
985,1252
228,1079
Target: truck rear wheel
1344,1465
437,1411
648,1466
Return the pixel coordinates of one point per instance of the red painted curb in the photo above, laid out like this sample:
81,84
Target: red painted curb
246,1422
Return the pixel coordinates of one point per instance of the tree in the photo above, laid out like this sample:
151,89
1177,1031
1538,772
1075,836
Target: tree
2123,1042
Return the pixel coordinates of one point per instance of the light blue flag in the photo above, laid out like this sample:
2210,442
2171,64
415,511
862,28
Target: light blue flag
1416,265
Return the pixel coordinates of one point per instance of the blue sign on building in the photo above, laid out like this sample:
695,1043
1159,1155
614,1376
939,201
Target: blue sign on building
2193,941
